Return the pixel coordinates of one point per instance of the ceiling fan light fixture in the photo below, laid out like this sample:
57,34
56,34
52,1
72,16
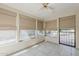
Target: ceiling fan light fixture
45,5
47,8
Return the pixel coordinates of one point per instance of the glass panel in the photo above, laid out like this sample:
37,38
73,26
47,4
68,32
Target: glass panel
27,28
67,37
27,34
52,33
52,36
40,33
7,36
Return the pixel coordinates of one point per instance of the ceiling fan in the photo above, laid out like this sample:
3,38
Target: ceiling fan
47,6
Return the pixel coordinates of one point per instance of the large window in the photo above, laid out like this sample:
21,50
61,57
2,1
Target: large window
27,28
51,30
7,26
14,26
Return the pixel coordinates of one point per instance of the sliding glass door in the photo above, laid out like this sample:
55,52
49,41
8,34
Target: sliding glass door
67,31
67,37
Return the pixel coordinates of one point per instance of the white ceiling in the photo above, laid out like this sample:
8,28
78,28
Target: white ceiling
36,9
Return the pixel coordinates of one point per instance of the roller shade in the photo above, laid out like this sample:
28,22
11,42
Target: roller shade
27,23
51,25
67,22
7,20
7,12
40,25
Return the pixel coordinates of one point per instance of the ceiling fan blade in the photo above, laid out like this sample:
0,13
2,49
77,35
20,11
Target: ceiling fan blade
47,8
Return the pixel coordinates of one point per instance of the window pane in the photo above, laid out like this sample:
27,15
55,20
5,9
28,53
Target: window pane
52,33
27,34
7,26
7,36
27,28
67,37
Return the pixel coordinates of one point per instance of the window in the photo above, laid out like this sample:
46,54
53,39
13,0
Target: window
41,33
52,33
7,36
67,37
27,34
7,26
27,28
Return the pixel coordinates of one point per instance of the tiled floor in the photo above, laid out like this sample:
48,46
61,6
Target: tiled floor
49,49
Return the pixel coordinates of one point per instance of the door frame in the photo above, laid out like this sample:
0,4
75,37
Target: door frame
74,33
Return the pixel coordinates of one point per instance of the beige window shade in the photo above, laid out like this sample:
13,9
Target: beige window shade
51,25
27,23
7,12
39,25
67,22
7,20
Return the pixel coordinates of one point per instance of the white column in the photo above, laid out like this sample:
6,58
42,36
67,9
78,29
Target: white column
17,27
44,29
44,25
36,34
58,36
